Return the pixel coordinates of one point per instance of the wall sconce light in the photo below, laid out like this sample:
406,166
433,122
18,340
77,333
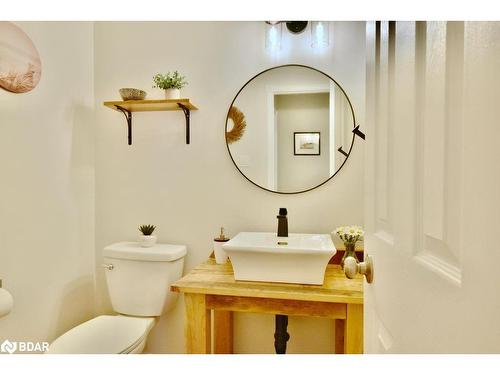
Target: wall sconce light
273,35
319,34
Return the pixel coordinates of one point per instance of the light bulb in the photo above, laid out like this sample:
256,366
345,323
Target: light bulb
273,35
319,34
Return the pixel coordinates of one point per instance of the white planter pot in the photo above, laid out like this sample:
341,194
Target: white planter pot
220,255
172,94
147,241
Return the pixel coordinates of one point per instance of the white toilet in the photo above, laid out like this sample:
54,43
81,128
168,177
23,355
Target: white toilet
139,282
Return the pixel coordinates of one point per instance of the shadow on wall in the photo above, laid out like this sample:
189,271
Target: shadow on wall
171,325
82,148
76,306
77,303
82,188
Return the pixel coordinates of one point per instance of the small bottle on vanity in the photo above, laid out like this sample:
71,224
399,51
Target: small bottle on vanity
220,255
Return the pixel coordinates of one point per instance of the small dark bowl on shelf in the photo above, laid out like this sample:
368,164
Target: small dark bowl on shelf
132,94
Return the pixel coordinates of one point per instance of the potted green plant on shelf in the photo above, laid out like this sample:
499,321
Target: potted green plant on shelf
147,239
349,235
172,83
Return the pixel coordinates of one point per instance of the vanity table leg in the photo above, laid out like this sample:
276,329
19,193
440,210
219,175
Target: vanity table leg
223,332
197,329
339,336
353,329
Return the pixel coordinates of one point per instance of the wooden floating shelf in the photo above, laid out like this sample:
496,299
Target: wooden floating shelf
151,105
129,106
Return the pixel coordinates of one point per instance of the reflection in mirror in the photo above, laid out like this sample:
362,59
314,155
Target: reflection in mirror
295,119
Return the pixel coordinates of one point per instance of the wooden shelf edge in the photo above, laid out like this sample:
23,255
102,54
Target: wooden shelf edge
151,103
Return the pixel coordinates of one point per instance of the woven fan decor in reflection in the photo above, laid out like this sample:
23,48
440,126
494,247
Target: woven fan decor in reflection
239,125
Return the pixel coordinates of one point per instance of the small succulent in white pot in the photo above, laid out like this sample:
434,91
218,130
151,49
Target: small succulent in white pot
172,83
147,239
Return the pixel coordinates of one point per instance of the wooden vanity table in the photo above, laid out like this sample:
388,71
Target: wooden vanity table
212,286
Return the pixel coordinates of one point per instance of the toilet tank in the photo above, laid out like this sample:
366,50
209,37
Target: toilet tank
139,278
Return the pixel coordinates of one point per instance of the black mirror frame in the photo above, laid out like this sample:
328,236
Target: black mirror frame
345,153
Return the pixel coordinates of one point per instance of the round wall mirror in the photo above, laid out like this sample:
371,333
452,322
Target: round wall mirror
289,129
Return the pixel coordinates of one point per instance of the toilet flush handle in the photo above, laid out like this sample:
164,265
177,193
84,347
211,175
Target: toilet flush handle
109,267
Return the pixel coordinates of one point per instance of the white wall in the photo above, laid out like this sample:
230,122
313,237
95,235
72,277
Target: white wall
47,188
189,191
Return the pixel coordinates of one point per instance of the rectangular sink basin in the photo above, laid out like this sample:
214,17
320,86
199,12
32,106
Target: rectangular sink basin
298,258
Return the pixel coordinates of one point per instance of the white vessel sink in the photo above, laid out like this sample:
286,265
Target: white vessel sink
298,258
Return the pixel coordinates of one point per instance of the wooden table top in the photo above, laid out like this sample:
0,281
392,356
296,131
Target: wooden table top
218,279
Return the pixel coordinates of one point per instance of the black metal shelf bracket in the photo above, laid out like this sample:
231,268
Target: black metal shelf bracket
128,116
187,115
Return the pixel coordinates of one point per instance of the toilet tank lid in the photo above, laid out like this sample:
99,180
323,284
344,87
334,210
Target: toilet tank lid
134,251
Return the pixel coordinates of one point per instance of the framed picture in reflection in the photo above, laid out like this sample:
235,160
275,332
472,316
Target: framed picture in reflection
306,143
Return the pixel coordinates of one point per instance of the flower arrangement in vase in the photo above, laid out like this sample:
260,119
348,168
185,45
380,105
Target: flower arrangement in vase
172,83
147,239
349,235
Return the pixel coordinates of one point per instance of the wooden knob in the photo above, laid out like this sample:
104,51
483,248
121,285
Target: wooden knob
352,267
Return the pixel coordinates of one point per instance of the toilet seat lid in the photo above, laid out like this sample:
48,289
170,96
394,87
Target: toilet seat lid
106,334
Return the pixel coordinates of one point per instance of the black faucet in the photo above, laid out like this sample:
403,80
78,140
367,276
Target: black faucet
281,336
282,223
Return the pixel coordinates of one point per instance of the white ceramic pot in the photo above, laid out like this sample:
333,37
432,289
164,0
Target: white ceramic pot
147,241
220,255
172,94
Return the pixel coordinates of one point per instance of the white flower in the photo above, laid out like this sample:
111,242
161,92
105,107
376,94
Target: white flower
350,233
